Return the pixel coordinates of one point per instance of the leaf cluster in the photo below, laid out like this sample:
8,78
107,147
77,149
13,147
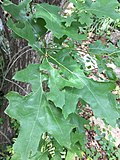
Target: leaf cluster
59,82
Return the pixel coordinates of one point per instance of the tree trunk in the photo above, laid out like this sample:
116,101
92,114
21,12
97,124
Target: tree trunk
20,56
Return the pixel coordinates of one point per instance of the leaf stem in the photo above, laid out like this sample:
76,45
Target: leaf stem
111,54
60,64
72,49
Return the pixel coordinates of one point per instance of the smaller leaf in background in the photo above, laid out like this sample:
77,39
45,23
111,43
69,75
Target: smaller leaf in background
81,4
105,8
111,74
85,18
98,95
69,20
100,8
99,48
101,62
73,32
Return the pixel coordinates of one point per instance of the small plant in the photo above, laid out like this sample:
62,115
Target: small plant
102,145
6,153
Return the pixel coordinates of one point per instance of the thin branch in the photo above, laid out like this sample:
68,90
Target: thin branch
16,85
11,67
16,55
16,60
5,137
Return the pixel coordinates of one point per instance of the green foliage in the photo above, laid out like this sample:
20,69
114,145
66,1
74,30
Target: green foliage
59,82
17,11
100,8
99,48
38,114
6,153
106,145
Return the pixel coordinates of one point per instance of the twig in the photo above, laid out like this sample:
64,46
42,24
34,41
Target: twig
16,85
16,60
5,137
11,67
16,55
72,49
